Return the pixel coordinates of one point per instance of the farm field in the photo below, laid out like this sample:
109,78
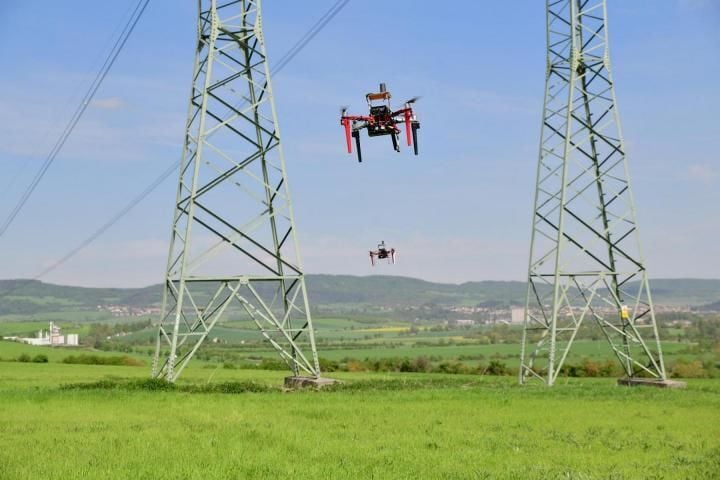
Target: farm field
372,426
508,352
343,340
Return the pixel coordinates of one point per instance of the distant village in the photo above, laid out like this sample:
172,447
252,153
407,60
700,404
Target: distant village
515,315
126,311
460,315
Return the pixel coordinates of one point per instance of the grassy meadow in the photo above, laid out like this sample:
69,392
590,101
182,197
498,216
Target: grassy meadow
389,425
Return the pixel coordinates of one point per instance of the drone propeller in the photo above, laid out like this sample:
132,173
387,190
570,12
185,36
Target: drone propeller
343,110
413,100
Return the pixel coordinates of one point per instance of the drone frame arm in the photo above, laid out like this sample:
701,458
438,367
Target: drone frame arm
362,118
404,113
411,126
350,131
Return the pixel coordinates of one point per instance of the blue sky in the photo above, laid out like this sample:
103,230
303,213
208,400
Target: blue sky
460,211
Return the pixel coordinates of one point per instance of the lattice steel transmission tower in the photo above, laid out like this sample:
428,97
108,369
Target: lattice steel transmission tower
585,258
233,249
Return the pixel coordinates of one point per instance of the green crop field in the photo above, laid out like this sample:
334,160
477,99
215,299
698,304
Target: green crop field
21,328
508,352
391,426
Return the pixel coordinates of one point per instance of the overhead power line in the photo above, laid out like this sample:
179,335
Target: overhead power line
77,115
71,100
284,60
309,35
112,221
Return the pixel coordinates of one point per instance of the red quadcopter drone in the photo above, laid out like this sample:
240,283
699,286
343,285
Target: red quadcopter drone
381,121
382,252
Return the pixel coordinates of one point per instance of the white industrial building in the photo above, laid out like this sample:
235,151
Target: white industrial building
52,337
517,315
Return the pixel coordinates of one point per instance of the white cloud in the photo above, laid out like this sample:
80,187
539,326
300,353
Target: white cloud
703,173
109,130
109,103
697,4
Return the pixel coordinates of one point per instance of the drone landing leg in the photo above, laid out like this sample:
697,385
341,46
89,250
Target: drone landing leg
415,126
356,134
395,142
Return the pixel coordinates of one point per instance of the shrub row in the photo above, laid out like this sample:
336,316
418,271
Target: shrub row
85,359
24,357
156,385
695,369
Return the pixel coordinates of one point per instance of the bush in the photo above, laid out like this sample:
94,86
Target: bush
496,368
329,365
355,366
152,384
570,370
451,367
40,359
421,364
272,364
227,387
591,368
684,369
24,357
131,362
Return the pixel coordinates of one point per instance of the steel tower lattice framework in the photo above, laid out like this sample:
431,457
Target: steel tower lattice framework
233,252
585,258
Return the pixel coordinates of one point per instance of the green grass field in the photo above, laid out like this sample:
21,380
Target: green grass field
64,317
11,351
508,353
392,426
21,328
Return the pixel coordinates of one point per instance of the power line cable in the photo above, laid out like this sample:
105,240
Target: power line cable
84,103
299,45
309,35
285,59
107,225
120,214
71,100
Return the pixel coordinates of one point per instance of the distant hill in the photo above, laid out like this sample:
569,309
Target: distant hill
403,291
685,291
33,296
